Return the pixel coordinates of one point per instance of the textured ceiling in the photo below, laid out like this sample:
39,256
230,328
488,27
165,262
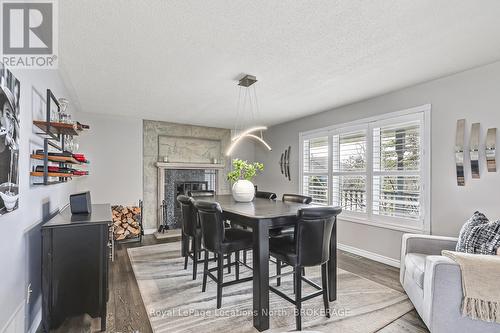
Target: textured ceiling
180,60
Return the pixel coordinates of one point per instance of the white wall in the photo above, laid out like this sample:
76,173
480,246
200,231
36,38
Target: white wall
20,246
114,147
473,94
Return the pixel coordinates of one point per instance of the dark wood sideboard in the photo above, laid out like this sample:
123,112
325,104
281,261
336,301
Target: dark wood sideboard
75,256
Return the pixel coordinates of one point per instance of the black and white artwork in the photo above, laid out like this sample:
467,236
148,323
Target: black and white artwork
10,94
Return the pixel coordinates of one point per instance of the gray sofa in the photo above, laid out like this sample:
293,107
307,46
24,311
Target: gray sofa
434,285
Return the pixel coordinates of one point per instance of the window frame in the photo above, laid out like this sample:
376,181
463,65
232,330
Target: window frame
420,113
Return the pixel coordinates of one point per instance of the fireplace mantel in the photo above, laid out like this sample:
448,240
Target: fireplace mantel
187,166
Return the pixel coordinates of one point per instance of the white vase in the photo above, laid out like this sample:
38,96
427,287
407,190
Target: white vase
243,191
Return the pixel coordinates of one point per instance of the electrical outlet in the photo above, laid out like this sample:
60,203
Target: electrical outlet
29,291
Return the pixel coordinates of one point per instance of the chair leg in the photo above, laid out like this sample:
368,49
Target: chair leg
186,246
298,298
324,278
237,265
205,272
220,274
196,252
229,263
278,272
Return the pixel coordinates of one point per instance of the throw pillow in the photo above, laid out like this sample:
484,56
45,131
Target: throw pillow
479,236
484,239
476,219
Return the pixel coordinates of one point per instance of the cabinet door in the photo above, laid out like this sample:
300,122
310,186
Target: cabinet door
76,282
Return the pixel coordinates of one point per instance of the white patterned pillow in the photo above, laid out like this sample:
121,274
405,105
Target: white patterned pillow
479,235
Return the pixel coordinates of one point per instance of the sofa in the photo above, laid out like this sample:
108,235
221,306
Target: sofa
434,285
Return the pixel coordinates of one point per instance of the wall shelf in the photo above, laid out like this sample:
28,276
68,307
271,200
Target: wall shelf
52,174
56,128
54,134
62,159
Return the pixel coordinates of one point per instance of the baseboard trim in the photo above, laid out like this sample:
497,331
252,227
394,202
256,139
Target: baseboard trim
370,255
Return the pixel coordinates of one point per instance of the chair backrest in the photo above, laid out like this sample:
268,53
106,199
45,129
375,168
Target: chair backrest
189,215
266,195
212,224
296,198
313,234
201,193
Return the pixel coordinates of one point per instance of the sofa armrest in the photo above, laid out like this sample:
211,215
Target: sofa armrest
442,293
424,244
427,244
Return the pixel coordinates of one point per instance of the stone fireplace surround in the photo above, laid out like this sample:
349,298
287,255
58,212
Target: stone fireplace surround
180,139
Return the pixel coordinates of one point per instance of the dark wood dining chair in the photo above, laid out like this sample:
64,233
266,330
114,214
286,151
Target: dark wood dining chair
201,193
287,231
221,241
296,198
266,195
263,195
310,247
206,194
191,232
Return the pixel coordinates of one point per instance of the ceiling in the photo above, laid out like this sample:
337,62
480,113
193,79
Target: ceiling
180,60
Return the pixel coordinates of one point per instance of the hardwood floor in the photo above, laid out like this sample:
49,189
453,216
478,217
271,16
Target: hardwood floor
126,312
387,276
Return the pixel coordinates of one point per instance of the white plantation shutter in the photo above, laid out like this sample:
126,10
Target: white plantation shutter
375,170
315,169
396,170
349,174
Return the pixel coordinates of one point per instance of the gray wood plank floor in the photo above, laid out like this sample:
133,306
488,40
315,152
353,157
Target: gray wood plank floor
126,311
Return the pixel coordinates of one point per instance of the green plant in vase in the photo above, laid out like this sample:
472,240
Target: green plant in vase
241,176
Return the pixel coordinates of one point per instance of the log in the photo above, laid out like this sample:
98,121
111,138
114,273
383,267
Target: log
126,221
133,230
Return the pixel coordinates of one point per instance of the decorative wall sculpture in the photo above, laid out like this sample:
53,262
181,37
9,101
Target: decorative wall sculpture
474,150
10,90
474,147
285,164
459,152
491,143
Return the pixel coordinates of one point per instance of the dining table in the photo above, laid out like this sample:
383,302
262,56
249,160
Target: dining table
260,215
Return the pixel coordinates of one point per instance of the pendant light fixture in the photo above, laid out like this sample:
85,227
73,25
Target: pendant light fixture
247,112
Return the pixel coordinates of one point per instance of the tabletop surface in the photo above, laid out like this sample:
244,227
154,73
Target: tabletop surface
101,213
259,208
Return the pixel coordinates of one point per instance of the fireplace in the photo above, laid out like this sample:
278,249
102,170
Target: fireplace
176,181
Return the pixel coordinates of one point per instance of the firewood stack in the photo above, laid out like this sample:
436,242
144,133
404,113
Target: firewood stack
126,221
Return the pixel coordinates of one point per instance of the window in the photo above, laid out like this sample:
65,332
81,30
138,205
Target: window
315,170
376,169
349,172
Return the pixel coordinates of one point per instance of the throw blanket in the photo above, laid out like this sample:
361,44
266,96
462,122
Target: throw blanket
480,280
